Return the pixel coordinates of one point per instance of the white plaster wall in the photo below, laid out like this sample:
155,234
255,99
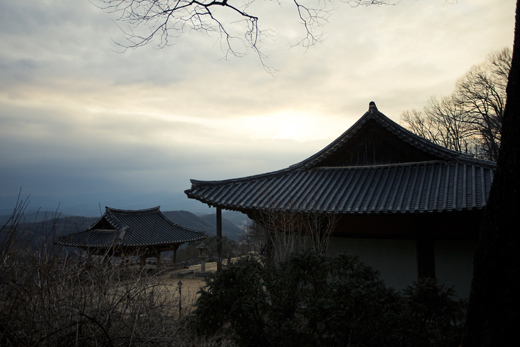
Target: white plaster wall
394,259
454,264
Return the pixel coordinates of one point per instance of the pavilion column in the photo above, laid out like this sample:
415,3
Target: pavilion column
158,257
175,248
425,258
142,261
219,239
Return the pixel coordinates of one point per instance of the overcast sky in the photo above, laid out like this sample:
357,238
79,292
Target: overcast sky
77,116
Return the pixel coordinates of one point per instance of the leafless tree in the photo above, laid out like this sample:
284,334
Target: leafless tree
235,22
444,122
470,120
289,231
482,94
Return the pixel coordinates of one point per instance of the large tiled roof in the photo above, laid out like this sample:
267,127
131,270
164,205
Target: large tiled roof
433,186
452,181
131,228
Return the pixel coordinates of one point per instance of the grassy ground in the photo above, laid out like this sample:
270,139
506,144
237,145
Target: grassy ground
191,279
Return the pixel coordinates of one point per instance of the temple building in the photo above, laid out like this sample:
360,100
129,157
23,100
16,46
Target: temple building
406,206
123,233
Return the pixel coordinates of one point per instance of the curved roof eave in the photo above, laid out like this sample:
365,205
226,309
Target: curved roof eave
372,113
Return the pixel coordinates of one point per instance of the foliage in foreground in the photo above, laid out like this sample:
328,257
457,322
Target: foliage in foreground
50,301
306,300
315,300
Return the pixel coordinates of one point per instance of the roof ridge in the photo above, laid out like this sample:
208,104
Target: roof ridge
425,162
412,136
113,220
392,126
177,225
151,209
376,166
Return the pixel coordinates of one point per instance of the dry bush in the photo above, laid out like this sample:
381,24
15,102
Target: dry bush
50,300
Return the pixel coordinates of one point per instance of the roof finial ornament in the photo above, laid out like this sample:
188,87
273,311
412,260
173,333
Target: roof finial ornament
372,106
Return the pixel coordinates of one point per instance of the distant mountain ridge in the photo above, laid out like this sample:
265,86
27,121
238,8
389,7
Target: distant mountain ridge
41,224
93,204
207,223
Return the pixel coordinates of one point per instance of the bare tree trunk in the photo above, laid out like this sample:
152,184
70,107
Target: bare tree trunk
494,307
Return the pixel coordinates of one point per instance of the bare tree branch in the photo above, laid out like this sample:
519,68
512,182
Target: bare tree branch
482,92
289,231
237,28
470,120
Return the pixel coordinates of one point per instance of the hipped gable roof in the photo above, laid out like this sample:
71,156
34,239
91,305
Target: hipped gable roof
376,166
131,228
427,148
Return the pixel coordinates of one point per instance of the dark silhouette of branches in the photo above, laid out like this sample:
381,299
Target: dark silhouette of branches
444,122
482,93
233,21
469,120
283,233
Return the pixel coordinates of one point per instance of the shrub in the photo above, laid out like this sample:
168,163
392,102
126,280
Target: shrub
307,300
50,301
316,300
431,314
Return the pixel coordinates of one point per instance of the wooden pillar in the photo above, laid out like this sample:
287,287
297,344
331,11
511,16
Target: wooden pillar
158,257
219,239
425,258
175,248
142,261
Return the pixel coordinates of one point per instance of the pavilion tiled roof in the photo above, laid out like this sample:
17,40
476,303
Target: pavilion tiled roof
446,181
131,228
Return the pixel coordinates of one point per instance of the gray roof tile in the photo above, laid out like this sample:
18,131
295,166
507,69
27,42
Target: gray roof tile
433,186
131,228
445,181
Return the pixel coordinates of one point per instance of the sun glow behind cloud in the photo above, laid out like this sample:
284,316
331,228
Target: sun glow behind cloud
73,109
290,125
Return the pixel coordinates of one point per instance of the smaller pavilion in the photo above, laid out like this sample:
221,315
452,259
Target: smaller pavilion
144,233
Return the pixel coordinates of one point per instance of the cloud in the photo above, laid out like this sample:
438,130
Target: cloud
53,151
78,116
